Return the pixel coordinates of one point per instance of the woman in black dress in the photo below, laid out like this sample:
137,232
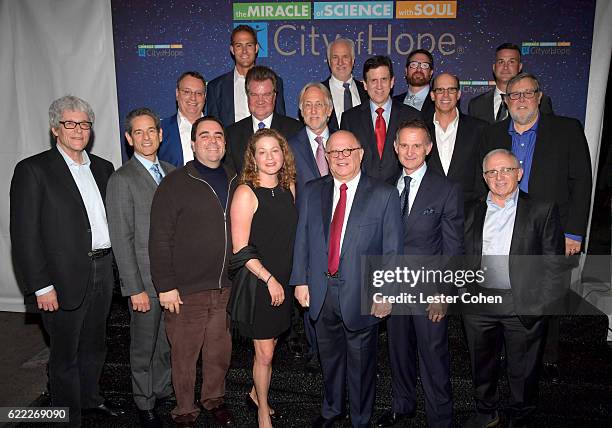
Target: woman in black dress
264,219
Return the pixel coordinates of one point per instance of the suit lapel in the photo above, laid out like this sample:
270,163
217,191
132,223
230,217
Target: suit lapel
434,157
228,94
490,105
327,203
457,155
357,210
64,177
306,153
479,217
140,169
421,199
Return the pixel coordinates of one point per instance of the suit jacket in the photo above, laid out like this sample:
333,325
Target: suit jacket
237,136
50,230
170,149
358,120
561,167
427,109
128,200
373,228
220,98
481,106
333,124
537,232
465,167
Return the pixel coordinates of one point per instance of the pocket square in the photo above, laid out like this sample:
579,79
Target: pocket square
429,211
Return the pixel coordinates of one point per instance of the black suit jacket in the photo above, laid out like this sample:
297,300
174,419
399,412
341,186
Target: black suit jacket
561,167
481,106
358,120
50,230
427,109
220,98
237,136
333,123
537,232
465,167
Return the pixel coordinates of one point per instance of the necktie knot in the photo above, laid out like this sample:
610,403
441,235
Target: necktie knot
261,125
343,187
407,180
346,85
156,173
379,111
319,140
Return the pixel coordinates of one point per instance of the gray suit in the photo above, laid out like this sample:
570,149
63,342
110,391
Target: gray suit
128,203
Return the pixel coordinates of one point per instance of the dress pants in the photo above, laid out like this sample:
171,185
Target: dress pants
78,344
409,336
340,348
149,356
485,335
201,327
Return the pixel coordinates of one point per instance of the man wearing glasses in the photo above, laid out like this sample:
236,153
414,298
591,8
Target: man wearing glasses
554,155
260,84
227,98
63,256
190,99
507,223
490,106
418,72
456,138
361,216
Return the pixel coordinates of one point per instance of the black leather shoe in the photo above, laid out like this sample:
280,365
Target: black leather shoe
390,418
274,414
322,422
482,420
149,419
222,416
105,410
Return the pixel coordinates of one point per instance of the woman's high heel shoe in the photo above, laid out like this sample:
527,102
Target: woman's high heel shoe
251,405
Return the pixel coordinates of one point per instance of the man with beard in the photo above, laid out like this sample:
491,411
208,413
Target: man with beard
418,72
490,106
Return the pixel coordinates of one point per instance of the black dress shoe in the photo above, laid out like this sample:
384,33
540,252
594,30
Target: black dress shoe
322,422
251,405
104,410
390,418
222,416
149,419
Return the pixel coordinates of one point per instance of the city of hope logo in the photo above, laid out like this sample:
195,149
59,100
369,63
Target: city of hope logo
173,50
261,29
353,10
271,11
426,9
546,48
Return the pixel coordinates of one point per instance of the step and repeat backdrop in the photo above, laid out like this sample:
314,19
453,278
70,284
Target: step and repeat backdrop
155,41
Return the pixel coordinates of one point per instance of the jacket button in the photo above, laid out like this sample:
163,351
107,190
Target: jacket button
90,254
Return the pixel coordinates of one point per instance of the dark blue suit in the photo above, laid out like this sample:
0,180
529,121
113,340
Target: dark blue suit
346,336
170,150
434,226
220,98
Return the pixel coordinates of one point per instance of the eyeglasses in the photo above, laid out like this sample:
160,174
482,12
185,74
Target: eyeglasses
505,171
266,96
417,64
69,124
345,152
440,91
187,93
529,94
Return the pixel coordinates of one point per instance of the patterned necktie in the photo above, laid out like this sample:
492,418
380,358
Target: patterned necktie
380,130
410,100
156,173
348,98
320,156
404,195
335,233
261,125
502,112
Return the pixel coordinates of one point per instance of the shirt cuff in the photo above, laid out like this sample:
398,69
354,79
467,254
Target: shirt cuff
574,237
43,290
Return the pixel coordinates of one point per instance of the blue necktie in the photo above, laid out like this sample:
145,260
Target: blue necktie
404,195
156,173
261,125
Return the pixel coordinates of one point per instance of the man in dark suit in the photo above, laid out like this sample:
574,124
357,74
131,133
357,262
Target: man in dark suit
62,253
456,138
327,274
190,99
128,199
490,106
554,155
432,215
261,96
227,98
374,123
507,222
418,72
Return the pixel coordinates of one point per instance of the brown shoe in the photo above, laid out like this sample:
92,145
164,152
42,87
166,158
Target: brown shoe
222,415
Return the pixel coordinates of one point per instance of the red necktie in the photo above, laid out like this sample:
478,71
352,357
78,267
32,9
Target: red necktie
380,131
335,231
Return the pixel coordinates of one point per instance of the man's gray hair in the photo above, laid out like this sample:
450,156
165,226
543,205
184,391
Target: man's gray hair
520,77
502,151
322,87
349,42
68,103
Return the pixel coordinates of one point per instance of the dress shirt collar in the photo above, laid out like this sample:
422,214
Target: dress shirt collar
148,164
238,76
69,160
451,125
338,83
351,184
182,120
312,135
514,132
386,106
416,176
267,121
420,95
510,201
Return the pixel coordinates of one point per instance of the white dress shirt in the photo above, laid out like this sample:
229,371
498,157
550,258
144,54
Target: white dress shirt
241,105
445,140
337,93
497,100
267,121
350,196
313,143
417,177
185,132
